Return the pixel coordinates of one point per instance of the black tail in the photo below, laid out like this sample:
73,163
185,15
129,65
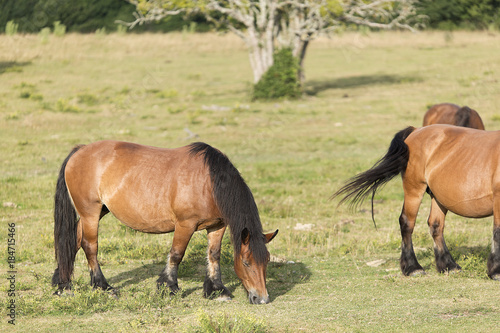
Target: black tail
462,116
234,200
65,229
392,164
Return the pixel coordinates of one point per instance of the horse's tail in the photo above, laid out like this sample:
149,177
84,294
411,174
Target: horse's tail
65,229
462,117
233,199
392,164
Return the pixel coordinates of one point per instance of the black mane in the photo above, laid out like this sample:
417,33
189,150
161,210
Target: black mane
234,199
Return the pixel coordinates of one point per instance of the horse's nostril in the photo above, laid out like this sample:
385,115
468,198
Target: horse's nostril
255,300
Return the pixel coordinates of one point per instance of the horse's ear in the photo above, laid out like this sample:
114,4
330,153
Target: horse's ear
245,236
270,236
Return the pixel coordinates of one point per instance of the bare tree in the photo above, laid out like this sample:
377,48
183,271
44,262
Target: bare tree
268,24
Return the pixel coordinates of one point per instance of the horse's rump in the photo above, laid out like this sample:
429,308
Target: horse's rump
458,164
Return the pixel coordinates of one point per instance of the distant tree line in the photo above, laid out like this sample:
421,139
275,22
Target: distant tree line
90,15
461,14
83,16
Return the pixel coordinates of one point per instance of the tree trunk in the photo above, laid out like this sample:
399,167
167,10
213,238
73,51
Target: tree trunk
260,52
301,54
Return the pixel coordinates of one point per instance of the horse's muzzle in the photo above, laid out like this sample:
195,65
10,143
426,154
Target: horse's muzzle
254,298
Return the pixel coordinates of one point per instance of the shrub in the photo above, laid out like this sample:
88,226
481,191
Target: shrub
44,35
11,28
59,29
281,80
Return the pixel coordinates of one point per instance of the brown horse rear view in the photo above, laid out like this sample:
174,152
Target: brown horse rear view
158,190
458,165
452,114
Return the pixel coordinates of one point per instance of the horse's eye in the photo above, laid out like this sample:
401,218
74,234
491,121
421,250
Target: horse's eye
246,263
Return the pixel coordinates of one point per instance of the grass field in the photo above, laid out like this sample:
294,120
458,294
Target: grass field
169,90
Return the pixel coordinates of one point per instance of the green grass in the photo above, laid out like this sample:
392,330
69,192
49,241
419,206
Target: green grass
163,90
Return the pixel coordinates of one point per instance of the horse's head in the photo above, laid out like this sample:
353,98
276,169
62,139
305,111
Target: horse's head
252,273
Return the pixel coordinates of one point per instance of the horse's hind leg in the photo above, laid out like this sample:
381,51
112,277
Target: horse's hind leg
494,258
90,224
213,287
408,261
444,261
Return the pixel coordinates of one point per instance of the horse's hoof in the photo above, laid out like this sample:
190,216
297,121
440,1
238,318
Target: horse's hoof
495,277
223,298
112,292
453,271
419,272
64,293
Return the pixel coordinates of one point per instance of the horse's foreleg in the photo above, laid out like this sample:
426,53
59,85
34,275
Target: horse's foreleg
213,287
89,246
182,236
444,261
408,261
494,258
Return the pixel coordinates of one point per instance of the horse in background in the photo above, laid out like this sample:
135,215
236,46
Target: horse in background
157,190
452,114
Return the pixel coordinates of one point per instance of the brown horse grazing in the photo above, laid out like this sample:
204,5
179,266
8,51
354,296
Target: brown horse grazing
452,114
460,167
157,190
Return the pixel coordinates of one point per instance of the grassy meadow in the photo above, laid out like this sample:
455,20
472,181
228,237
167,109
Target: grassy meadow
332,271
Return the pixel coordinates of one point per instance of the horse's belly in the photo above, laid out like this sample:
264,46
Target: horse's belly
140,223
475,207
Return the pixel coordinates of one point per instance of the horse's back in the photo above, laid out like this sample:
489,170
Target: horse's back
443,113
147,188
452,114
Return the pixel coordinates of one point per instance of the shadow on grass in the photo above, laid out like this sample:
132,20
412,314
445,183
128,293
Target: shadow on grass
314,87
281,277
12,66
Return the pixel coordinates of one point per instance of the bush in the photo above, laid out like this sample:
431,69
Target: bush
281,80
11,28
59,29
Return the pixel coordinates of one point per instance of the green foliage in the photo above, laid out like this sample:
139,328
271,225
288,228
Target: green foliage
281,80
101,31
59,29
464,14
44,35
11,28
30,16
